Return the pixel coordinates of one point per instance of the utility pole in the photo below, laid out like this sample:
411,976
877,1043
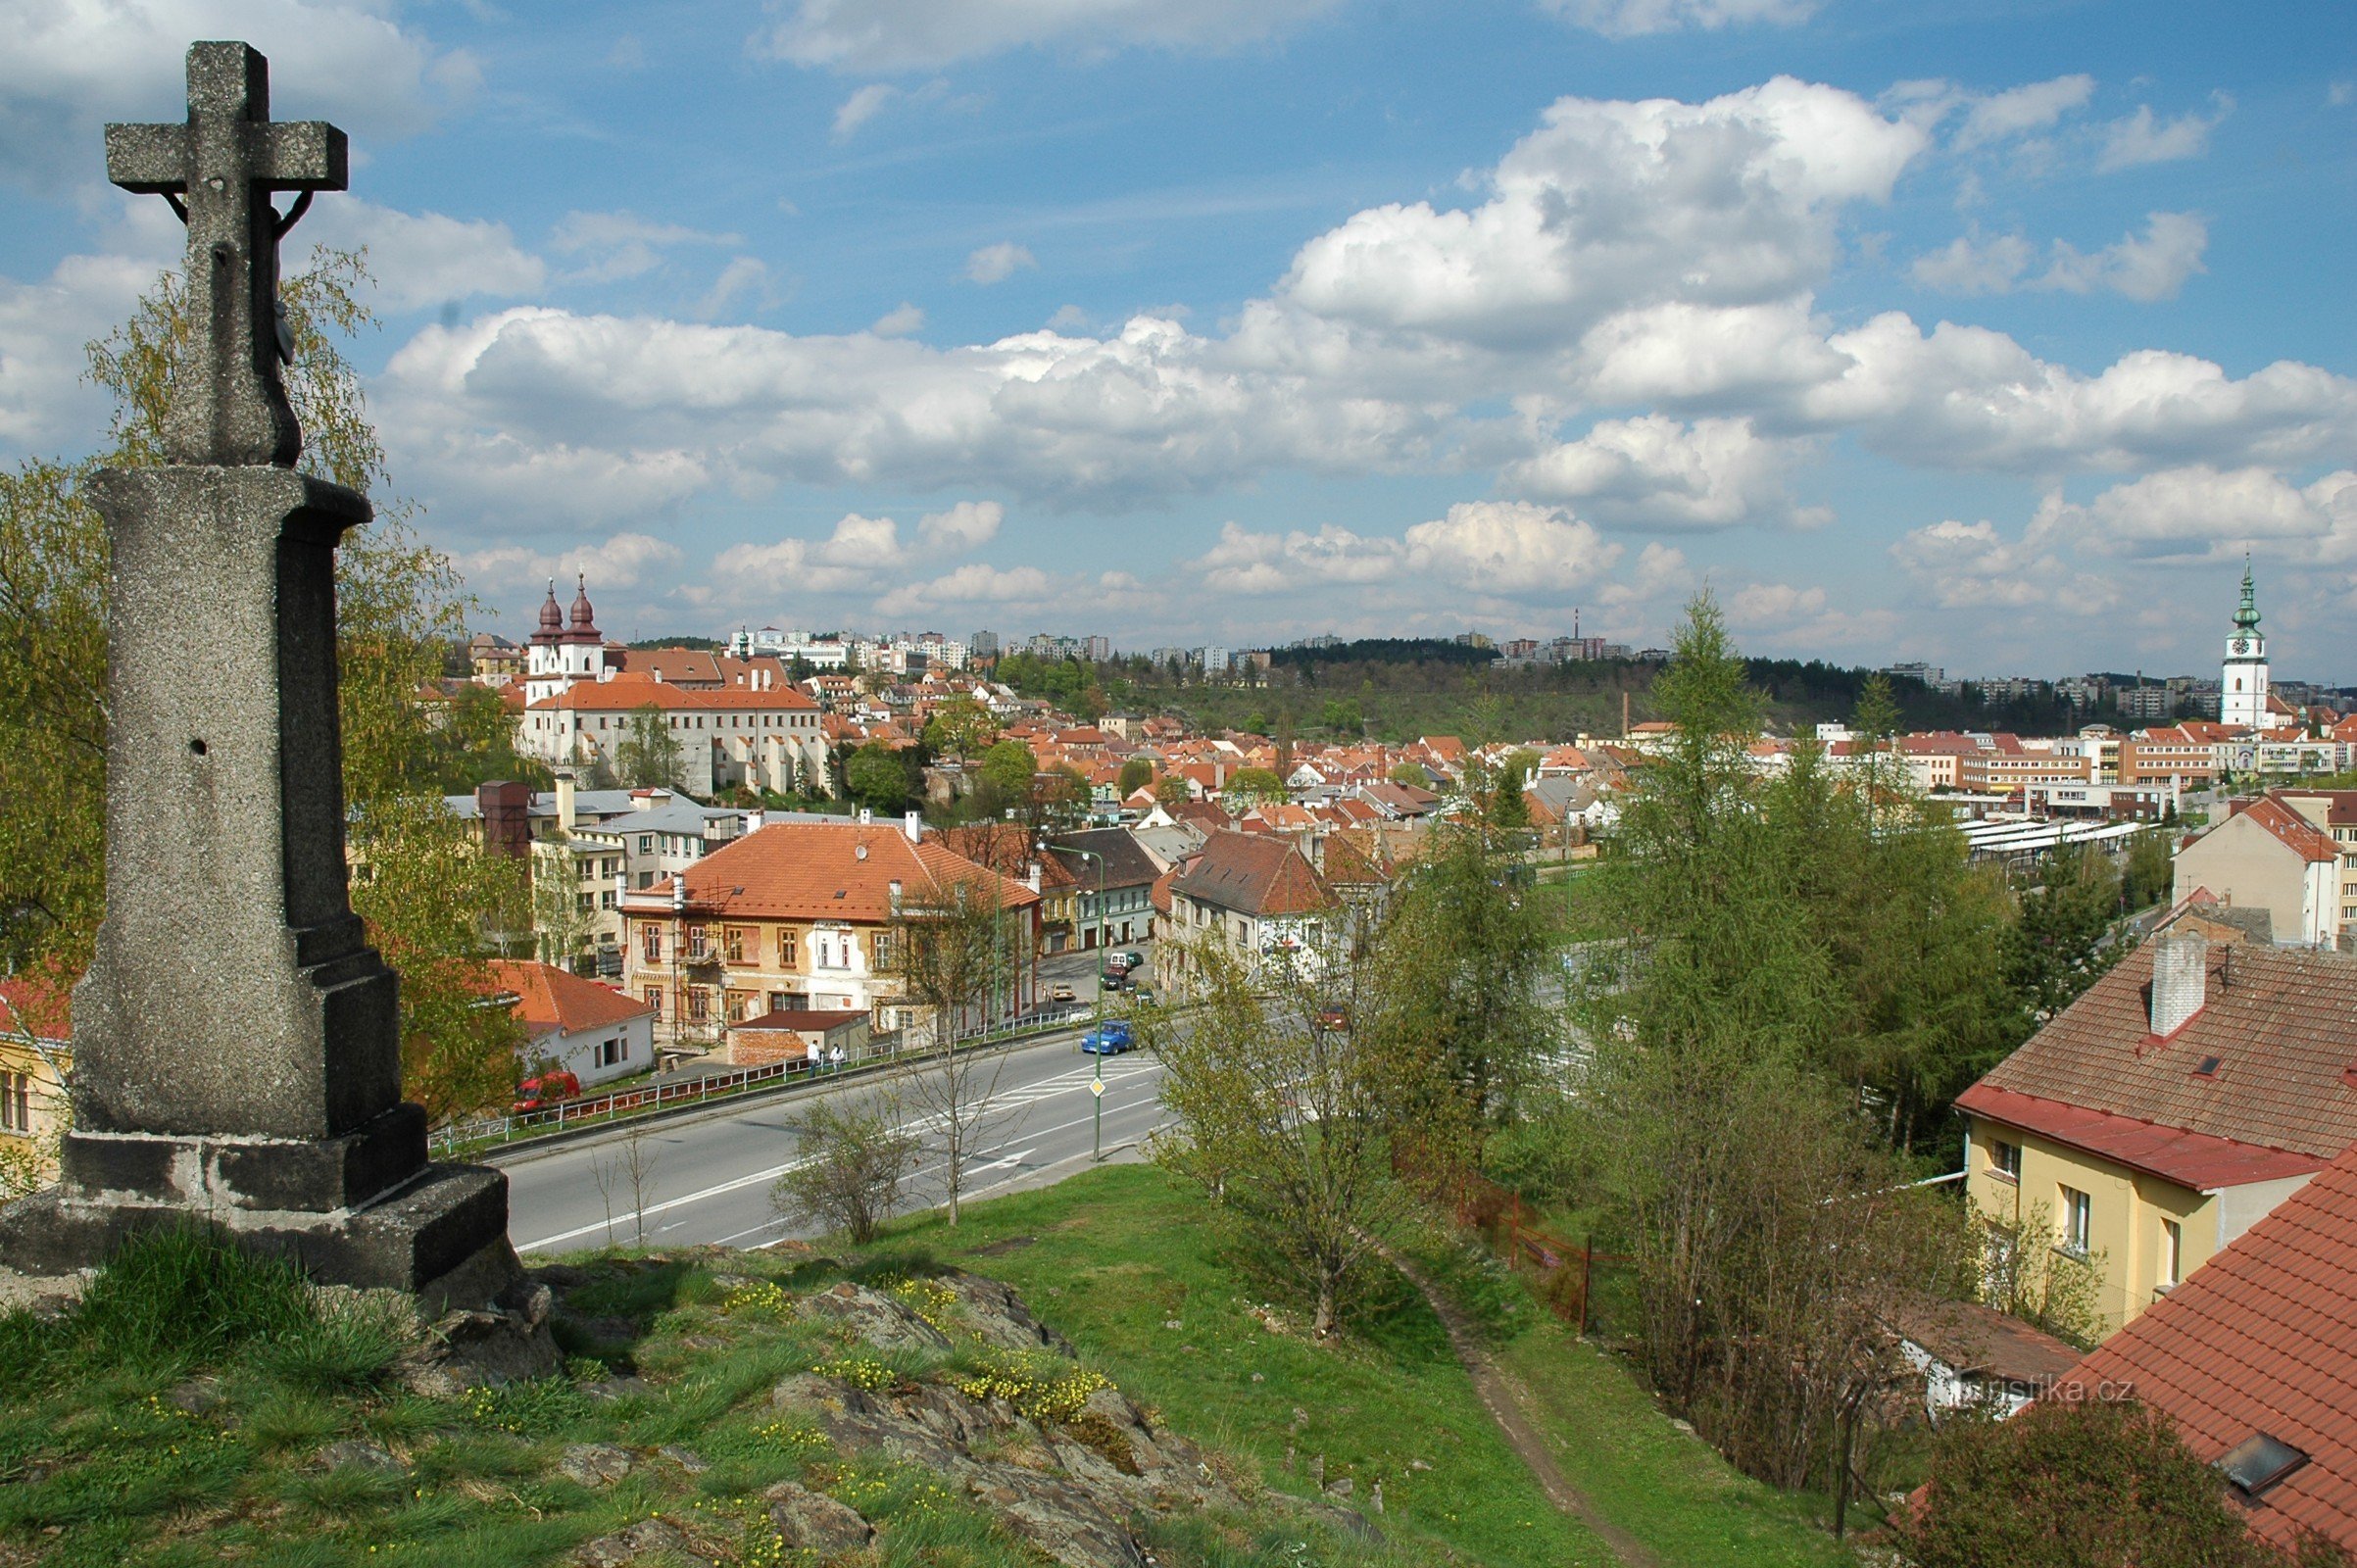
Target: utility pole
1097,1080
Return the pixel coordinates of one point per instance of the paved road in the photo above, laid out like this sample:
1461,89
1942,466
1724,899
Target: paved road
708,1176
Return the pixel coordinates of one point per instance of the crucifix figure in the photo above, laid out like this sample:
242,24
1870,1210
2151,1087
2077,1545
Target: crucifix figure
229,407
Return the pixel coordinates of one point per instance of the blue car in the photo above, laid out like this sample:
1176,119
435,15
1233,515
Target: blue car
1108,1039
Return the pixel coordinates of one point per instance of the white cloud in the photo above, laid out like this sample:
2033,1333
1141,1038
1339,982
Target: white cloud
426,259
2152,265
1770,604
1612,205
1967,565
860,107
968,525
996,263
621,560
1970,266
1510,548
2017,110
1628,18
620,245
45,404
898,321
889,35
2215,515
974,583
71,65
2141,138
1655,473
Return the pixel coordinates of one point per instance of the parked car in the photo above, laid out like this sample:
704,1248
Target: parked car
1114,980
1108,1039
1334,1017
1128,958
549,1089
1060,992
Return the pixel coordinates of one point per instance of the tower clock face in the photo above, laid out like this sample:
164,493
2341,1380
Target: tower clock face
2242,645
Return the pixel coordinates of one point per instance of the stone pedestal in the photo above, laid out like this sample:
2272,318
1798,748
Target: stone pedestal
237,1051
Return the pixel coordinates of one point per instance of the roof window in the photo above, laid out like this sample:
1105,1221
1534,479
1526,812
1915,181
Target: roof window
2259,1463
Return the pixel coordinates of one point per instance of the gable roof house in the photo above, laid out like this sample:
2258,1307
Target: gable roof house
2254,1357
2181,1099
592,1031
2269,854
1254,893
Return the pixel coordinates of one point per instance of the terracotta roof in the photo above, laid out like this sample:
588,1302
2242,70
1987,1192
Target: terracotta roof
818,872
2262,1338
1254,873
2191,1159
2281,1024
2295,832
35,1003
625,693
549,998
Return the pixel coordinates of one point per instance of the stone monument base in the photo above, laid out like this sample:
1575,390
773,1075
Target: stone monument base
443,1237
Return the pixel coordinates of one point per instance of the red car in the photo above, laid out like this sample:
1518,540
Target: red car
550,1088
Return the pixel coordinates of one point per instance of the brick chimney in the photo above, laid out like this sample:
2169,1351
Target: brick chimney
2179,962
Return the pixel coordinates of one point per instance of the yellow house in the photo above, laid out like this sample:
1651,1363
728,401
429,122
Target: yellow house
36,1056
2170,1108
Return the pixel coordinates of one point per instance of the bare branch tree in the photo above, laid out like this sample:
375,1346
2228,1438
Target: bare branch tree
944,952
854,1164
638,1164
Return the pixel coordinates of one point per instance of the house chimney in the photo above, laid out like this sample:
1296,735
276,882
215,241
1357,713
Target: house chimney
2180,962
915,826
866,816
1031,876
565,806
506,813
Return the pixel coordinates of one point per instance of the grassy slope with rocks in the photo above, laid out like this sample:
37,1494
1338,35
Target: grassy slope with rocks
200,1408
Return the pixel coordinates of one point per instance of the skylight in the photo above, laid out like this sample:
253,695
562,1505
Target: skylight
2258,1462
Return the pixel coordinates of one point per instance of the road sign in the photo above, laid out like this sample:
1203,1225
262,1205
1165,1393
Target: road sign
1097,1087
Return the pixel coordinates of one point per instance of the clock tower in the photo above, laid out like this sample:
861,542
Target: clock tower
2242,681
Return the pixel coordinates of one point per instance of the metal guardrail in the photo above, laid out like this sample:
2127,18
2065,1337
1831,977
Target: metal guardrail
496,1131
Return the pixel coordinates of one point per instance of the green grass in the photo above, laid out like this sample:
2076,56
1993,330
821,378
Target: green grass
1111,1257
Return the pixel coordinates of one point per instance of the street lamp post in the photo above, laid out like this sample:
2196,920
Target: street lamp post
1097,1080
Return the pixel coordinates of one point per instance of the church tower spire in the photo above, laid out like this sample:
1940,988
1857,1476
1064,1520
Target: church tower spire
2242,679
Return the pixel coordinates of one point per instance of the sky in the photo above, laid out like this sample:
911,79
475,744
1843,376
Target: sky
1989,334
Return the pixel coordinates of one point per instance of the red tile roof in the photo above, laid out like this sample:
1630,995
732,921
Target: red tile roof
1254,873
36,1003
549,998
2263,1338
2189,1160
625,693
2282,1024
2295,832
824,871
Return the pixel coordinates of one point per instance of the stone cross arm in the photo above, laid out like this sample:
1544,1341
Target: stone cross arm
218,170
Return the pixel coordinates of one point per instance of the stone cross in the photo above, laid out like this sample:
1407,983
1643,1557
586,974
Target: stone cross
217,171
236,1041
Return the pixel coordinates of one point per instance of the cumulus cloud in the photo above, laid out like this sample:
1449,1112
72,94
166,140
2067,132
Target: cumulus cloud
424,259
968,525
861,554
1763,604
1969,565
2147,266
1612,205
71,65
2215,515
45,404
1629,19
889,35
898,321
1510,548
2144,138
1655,473
996,263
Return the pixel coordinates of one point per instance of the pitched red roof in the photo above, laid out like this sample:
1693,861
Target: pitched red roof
2294,831
1254,873
626,693
2262,1338
2281,1024
549,998
38,1003
826,871
2189,1160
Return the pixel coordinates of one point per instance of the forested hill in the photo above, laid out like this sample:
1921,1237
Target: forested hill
1397,690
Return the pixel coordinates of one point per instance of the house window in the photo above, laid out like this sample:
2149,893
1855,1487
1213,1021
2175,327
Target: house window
880,946
740,944
2172,1253
15,1101
698,948
646,842
741,1004
653,996
613,1052
650,943
699,1005
789,949
2005,1160
2078,1221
